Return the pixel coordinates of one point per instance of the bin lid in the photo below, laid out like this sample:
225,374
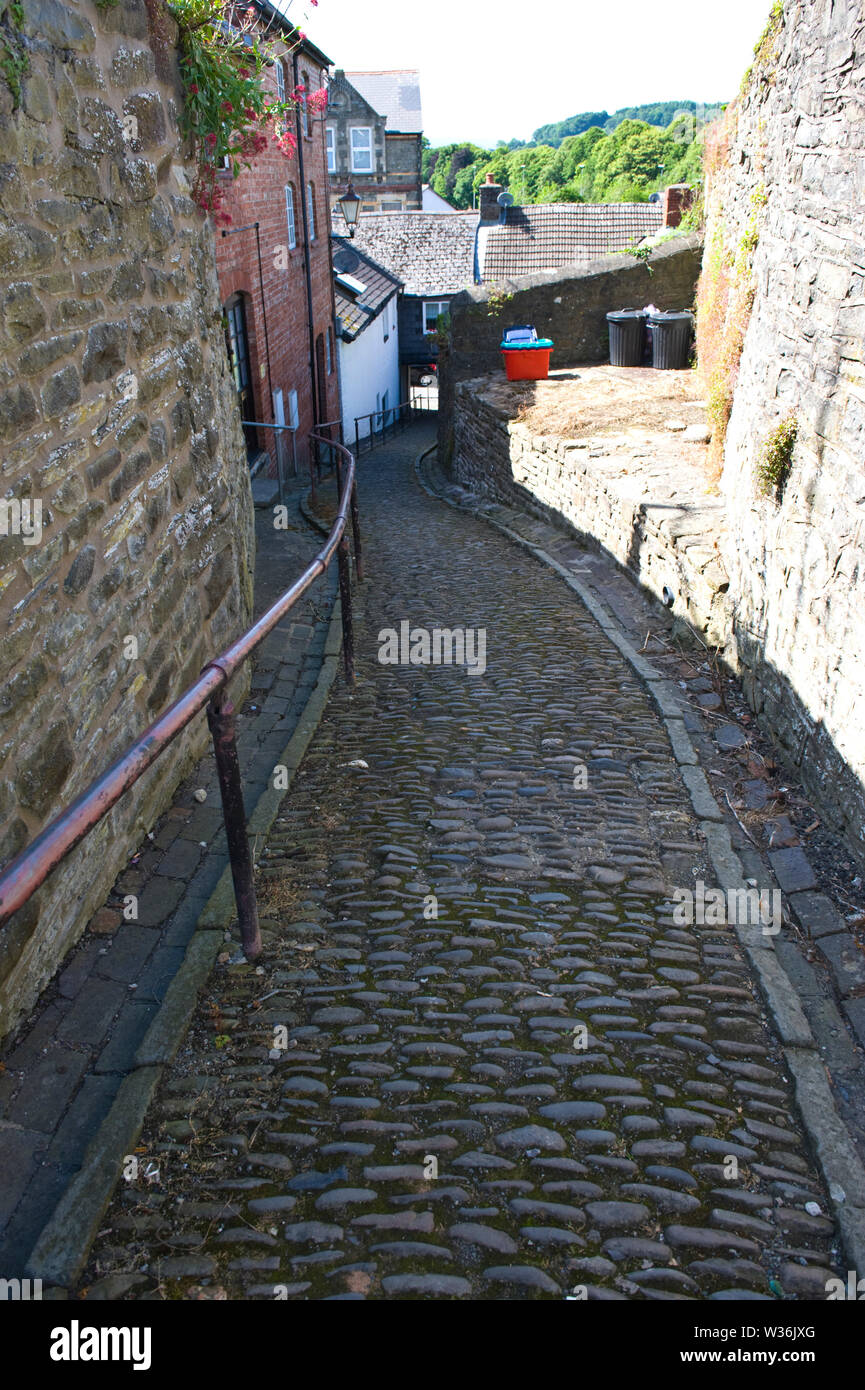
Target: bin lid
619,315
521,333
671,318
526,346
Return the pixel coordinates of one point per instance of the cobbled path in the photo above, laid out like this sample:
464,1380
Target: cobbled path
547,1089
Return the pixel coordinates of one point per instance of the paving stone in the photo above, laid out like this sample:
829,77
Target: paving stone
846,960
51,1083
792,870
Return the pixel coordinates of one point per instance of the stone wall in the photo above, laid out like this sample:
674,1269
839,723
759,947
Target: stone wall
568,305
117,416
656,520
795,173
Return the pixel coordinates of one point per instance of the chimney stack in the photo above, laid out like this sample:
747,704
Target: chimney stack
489,192
676,201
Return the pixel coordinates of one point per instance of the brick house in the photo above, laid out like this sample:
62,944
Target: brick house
374,129
275,278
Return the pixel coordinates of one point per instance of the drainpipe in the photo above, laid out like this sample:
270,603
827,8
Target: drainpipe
306,250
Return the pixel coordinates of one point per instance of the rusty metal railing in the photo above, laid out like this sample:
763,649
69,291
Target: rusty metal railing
29,869
392,419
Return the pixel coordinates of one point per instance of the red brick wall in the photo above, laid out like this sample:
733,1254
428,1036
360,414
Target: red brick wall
258,195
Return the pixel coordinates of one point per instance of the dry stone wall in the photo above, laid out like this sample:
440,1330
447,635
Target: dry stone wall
656,520
569,306
795,172
118,431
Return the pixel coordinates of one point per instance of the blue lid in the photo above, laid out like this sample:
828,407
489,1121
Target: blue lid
528,346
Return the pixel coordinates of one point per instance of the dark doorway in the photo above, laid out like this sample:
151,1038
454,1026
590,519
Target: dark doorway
237,344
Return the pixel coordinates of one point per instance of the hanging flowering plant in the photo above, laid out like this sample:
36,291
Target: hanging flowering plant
231,111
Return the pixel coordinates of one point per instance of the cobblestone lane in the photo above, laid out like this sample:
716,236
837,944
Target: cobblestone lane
548,1085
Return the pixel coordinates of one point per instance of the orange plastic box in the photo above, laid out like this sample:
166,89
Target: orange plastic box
528,362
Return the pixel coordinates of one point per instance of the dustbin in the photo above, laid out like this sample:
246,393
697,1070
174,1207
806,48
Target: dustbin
671,340
627,337
526,356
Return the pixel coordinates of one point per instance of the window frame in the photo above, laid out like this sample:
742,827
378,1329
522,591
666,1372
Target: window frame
310,208
290,217
442,305
280,79
368,150
304,105
330,148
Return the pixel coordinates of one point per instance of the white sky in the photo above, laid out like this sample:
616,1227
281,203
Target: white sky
495,69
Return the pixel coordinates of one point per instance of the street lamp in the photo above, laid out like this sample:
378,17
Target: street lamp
350,206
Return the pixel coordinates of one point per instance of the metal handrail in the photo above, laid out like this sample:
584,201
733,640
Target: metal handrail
30,868
390,417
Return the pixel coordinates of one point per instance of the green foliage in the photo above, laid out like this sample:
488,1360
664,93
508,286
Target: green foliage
641,253
625,164
230,112
497,300
776,457
659,113
558,131
766,48
14,62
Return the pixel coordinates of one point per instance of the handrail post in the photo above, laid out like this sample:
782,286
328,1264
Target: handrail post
345,603
220,720
355,529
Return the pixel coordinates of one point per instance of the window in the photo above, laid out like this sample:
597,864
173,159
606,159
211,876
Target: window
361,149
384,409
391,207
433,310
293,417
328,352
385,320
310,209
304,103
280,81
289,216
331,149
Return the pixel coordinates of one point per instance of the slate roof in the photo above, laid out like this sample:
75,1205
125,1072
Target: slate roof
432,253
395,95
545,236
356,312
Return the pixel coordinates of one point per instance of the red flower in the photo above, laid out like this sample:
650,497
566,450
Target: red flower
193,89
226,106
210,139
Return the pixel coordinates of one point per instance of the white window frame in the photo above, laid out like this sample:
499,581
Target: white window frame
293,415
366,149
330,135
310,208
280,80
441,306
289,217
304,104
